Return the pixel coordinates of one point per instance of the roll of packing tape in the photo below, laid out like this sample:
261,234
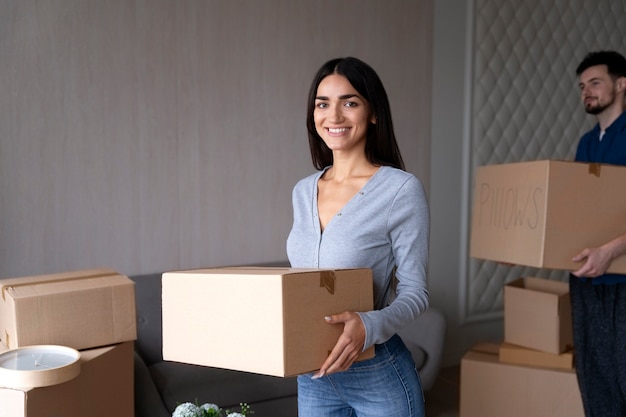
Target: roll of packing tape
38,366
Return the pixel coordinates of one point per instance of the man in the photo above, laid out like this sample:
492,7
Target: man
599,299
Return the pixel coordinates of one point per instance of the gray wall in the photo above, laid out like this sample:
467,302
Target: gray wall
158,135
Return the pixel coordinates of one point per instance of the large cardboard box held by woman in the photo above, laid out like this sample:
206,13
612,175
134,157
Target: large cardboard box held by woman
263,320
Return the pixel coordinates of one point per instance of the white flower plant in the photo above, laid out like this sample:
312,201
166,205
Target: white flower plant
209,410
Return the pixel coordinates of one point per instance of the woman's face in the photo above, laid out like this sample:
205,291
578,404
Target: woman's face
341,115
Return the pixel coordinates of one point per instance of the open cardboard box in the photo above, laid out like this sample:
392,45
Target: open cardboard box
538,314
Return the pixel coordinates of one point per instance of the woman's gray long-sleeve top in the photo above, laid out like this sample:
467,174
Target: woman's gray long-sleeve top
384,226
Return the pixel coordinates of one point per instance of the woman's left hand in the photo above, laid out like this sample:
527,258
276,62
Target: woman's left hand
348,346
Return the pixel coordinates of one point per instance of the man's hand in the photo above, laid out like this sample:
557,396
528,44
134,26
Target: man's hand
349,345
597,261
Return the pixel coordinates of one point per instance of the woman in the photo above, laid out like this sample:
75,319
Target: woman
361,210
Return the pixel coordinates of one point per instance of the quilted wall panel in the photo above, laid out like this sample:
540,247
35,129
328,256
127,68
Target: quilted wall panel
525,101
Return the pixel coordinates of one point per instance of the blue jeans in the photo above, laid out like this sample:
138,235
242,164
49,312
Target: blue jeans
387,385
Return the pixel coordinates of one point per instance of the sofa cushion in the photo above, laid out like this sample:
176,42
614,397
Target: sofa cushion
178,383
147,399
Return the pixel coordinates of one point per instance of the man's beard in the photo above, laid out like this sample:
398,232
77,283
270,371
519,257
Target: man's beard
596,107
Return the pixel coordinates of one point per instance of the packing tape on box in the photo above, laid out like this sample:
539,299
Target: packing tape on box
594,169
327,280
6,288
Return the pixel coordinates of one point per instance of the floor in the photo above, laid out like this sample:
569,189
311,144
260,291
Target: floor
442,400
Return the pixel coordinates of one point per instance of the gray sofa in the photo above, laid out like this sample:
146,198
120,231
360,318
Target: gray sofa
161,385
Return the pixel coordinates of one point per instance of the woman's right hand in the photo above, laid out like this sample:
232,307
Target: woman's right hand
349,345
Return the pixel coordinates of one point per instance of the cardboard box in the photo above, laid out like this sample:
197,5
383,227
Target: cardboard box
81,309
518,355
263,320
490,388
542,213
104,388
538,314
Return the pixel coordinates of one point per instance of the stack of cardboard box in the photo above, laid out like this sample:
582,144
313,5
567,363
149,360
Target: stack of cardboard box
532,372
538,214
92,311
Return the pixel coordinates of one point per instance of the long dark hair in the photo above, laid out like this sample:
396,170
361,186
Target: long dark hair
381,147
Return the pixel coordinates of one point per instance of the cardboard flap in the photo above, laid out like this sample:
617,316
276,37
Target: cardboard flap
538,296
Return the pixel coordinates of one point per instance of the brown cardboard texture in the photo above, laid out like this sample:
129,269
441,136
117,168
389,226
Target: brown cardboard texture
81,309
262,320
516,391
542,213
519,355
104,388
538,314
